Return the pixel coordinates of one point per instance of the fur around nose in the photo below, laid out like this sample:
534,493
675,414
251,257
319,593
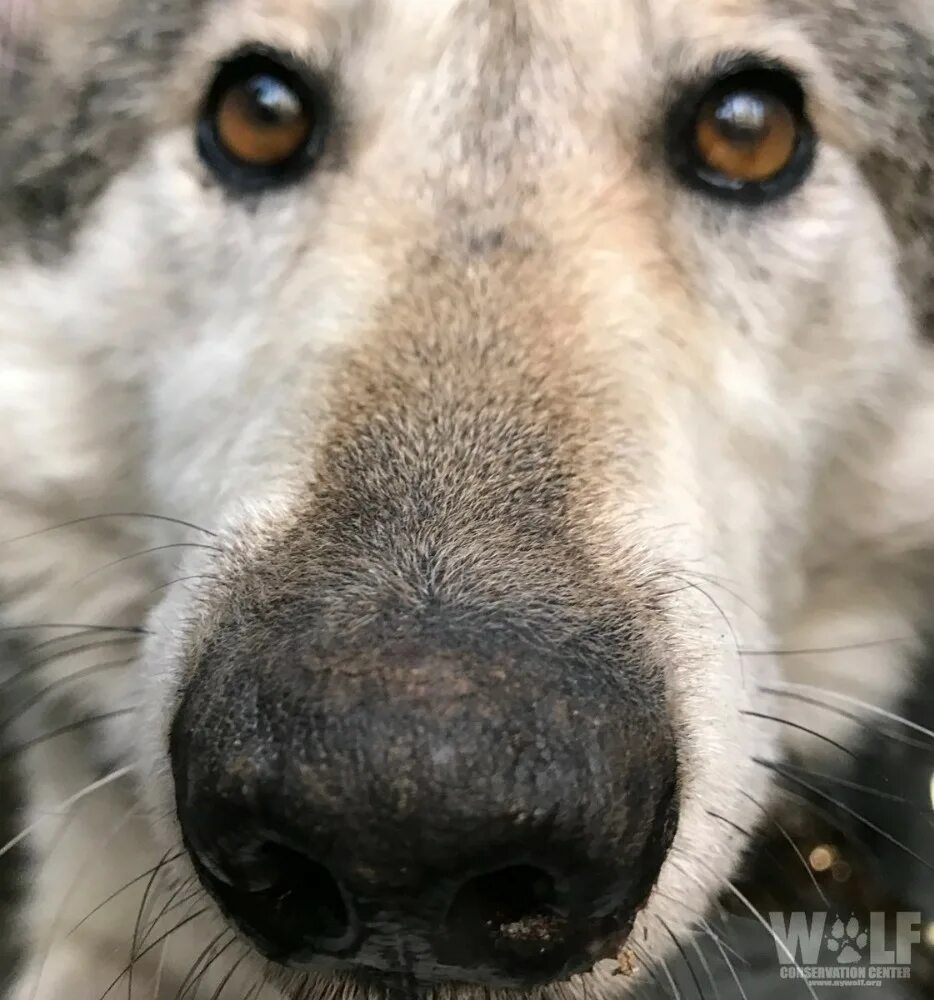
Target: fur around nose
420,809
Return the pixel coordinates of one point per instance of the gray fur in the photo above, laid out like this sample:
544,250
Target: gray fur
887,66
502,341
62,141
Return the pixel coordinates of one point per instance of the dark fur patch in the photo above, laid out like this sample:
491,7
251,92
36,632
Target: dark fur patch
61,141
887,66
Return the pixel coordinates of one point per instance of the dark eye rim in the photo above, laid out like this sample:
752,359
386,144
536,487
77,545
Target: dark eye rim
746,73
311,89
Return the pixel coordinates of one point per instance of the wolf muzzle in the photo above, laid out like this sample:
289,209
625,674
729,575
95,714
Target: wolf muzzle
441,796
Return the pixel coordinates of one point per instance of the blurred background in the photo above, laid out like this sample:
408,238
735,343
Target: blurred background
863,840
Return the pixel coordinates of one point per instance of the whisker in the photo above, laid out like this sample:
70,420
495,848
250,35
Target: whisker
254,991
695,913
64,654
84,647
71,727
216,995
148,552
803,729
726,960
791,843
684,958
779,687
726,620
854,836
183,579
82,869
730,823
134,630
104,517
705,965
171,905
760,919
39,646
717,582
129,885
182,923
586,991
134,945
160,970
837,804
65,807
671,982
869,725
194,977
63,682
203,974
856,786
57,839
723,944
748,835
756,914
650,967
827,650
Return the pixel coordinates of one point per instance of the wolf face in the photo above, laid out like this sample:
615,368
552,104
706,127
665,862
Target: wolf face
507,385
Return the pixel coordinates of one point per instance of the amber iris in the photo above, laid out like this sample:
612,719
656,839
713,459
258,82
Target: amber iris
746,136
262,121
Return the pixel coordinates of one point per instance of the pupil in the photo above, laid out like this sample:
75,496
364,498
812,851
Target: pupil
743,118
272,103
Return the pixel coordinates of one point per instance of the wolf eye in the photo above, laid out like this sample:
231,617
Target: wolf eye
747,138
264,121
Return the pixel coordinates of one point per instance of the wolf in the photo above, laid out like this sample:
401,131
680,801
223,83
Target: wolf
453,452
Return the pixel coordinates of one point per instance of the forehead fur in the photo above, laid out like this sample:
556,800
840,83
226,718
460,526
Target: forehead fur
497,81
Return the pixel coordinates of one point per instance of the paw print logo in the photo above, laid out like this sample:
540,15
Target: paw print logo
847,941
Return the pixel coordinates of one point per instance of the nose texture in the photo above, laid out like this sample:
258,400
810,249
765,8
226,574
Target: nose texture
424,807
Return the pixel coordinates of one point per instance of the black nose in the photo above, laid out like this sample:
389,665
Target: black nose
424,812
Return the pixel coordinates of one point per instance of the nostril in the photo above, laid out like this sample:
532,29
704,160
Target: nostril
310,892
508,917
288,902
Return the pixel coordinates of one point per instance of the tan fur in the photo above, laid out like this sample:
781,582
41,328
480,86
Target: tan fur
739,403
